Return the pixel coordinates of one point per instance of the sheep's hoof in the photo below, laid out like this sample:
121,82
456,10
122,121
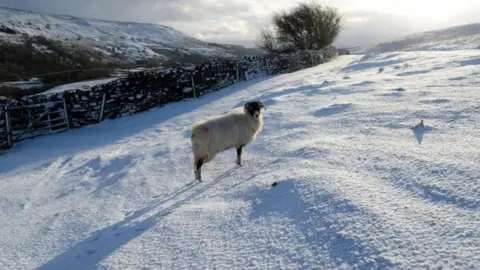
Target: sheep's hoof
198,177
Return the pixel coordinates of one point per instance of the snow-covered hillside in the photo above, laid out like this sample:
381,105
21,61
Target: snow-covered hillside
137,41
464,37
357,187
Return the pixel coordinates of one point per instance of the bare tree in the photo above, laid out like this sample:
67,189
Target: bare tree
308,26
266,40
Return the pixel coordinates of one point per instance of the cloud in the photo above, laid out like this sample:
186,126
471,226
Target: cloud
367,28
238,21
214,20
138,11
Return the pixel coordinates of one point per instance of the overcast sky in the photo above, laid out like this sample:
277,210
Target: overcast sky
237,21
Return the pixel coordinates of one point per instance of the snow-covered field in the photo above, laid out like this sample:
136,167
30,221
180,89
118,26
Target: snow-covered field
22,84
462,37
357,187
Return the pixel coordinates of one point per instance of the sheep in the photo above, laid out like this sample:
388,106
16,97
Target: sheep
223,132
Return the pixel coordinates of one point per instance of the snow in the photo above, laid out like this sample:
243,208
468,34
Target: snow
357,187
135,40
83,85
23,84
462,37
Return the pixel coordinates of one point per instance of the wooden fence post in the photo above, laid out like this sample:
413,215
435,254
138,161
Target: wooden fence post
193,86
66,111
49,123
8,125
268,67
103,107
238,73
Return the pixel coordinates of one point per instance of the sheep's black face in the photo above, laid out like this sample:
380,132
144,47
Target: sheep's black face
253,108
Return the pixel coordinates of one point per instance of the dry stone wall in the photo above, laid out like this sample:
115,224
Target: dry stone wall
143,90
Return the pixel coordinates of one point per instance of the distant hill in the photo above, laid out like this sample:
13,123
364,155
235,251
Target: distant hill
35,44
127,41
464,37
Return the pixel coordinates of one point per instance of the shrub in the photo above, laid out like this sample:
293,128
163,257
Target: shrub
308,26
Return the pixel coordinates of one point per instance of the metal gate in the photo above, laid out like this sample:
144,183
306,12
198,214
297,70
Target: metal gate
30,121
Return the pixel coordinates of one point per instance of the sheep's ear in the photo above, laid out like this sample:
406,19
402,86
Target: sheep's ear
262,105
246,107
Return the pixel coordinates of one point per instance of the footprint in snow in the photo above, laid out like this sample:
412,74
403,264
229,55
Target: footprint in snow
364,83
413,73
95,239
461,78
397,92
435,101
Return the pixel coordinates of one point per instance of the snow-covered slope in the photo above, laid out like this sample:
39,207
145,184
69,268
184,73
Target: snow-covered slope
357,187
138,41
464,37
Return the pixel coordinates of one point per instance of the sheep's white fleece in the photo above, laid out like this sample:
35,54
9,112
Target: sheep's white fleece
222,132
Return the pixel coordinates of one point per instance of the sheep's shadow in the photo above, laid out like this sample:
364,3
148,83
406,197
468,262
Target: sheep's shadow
101,243
46,149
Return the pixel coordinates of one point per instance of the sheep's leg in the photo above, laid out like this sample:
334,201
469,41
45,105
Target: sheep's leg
198,169
239,155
